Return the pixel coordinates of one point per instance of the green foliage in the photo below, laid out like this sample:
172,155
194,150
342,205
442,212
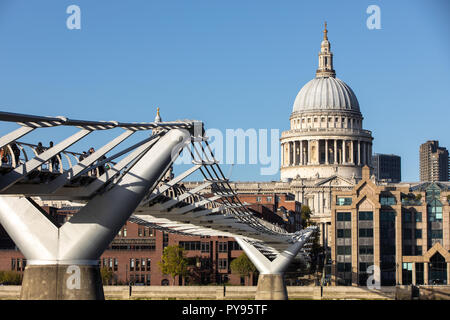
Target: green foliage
173,262
242,266
106,275
10,278
306,216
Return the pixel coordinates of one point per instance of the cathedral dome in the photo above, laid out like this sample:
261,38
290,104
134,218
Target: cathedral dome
326,93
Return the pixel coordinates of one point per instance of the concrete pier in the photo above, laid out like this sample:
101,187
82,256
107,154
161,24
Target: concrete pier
62,282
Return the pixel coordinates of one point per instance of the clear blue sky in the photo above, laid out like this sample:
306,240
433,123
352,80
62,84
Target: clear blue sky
232,64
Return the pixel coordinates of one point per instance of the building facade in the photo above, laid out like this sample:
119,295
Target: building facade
401,229
326,135
434,162
387,167
134,254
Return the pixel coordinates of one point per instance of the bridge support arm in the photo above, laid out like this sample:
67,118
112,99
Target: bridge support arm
62,263
271,285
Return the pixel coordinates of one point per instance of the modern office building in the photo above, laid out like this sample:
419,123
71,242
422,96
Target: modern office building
434,162
387,167
402,229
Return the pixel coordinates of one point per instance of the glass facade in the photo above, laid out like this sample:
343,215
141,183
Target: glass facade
387,248
344,248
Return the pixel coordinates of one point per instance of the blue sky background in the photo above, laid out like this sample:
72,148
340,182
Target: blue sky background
232,64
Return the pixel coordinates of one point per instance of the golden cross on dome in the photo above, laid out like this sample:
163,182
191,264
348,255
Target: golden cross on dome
325,37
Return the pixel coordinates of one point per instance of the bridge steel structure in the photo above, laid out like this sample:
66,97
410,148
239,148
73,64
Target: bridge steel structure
129,184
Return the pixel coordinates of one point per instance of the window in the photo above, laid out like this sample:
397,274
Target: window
139,232
365,233
343,201
344,267
407,233
418,216
366,215
148,264
344,250
365,249
269,199
418,250
223,264
386,200
131,264
205,246
407,216
258,199
344,216
223,247
418,233
344,233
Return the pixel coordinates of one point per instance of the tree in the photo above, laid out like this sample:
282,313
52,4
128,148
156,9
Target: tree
242,266
106,274
173,262
10,278
306,216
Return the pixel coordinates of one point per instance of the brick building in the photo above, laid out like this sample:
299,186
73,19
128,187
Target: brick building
134,254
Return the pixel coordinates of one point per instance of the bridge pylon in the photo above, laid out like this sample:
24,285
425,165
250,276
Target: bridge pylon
271,284
62,262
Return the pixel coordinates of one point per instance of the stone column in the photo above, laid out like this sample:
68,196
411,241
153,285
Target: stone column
414,281
359,152
326,151
308,160
352,153
290,153
301,152
344,151
425,273
335,151
282,154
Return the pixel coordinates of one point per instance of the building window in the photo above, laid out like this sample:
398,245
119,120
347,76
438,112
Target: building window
148,264
407,216
205,247
418,233
131,264
365,233
344,233
366,215
223,247
223,264
344,250
407,272
418,250
367,250
418,216
343,201
344,216
387,200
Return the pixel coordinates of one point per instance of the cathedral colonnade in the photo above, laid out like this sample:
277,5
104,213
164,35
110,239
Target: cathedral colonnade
326,151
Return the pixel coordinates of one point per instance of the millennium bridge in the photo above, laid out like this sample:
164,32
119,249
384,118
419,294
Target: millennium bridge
117,184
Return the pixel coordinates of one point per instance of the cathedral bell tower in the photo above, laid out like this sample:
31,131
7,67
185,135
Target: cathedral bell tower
325,58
